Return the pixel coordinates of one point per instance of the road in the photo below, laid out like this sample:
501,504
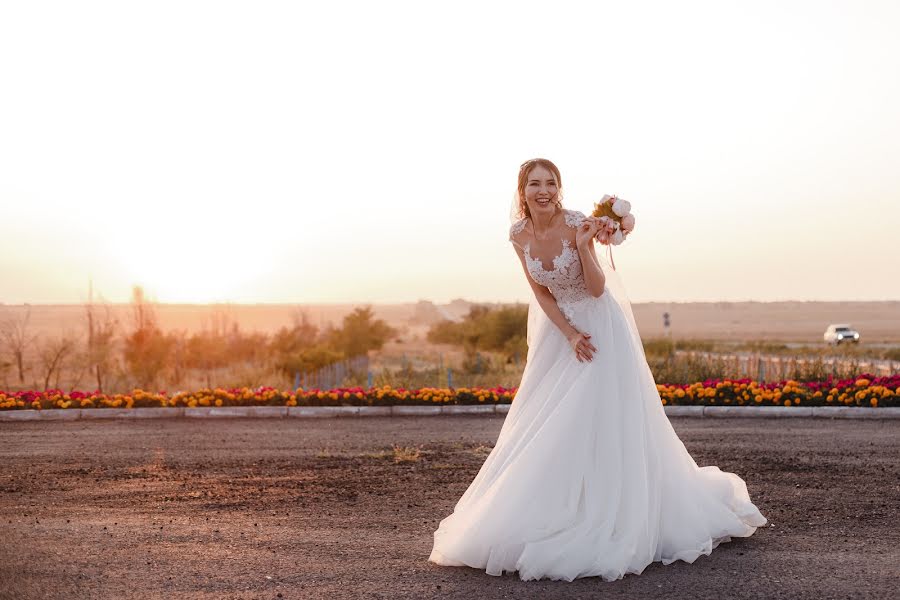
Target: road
345,508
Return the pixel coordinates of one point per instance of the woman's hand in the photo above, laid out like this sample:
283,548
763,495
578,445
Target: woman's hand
589,228
607,228
580,343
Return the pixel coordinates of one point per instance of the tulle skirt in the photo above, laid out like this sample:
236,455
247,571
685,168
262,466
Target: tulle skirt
587,477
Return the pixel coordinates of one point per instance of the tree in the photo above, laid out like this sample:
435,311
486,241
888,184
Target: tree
302,334
207,351
51,354
178,356
307,360
4,372
499,330
300,348
101,331
14,335
147,350
360,333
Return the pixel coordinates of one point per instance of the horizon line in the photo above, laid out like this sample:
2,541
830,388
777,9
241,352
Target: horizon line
398,303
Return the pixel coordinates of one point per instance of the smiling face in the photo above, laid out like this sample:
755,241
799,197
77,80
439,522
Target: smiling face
541,191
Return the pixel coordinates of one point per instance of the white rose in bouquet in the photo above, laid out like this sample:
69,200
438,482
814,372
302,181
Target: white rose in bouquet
621,207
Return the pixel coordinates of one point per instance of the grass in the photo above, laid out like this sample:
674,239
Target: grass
399,454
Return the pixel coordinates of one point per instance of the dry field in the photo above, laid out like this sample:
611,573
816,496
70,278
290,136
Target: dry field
798,322
774,321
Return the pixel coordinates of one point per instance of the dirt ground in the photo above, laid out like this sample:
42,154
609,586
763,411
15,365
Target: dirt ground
346,508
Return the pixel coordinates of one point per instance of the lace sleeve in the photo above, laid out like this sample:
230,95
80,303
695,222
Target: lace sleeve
515,229
574,217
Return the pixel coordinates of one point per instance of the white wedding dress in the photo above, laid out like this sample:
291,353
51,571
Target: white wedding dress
587,477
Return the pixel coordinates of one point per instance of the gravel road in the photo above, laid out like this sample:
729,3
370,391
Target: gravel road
346,508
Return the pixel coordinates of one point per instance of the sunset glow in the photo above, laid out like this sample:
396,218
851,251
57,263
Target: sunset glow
293,153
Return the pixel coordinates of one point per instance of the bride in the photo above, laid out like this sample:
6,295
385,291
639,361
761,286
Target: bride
587,477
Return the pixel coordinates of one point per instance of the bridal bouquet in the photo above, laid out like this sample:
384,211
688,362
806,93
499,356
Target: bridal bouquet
615,213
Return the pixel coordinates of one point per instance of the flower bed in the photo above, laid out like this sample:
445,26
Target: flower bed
263,396
864,390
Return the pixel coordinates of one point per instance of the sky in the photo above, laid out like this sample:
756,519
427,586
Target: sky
344,152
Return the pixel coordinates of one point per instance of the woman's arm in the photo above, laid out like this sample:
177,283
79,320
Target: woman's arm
594,279
546,299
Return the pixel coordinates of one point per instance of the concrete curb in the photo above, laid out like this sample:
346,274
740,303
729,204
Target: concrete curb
281,412
758,411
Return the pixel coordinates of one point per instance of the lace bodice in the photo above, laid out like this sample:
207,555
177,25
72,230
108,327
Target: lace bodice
565,279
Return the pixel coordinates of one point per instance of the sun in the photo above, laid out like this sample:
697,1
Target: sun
195,271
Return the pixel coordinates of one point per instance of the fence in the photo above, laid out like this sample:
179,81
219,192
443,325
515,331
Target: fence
331,376
761,367
414,371
764,367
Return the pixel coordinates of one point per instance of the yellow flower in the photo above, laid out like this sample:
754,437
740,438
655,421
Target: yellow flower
874,402
218,402
787,402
